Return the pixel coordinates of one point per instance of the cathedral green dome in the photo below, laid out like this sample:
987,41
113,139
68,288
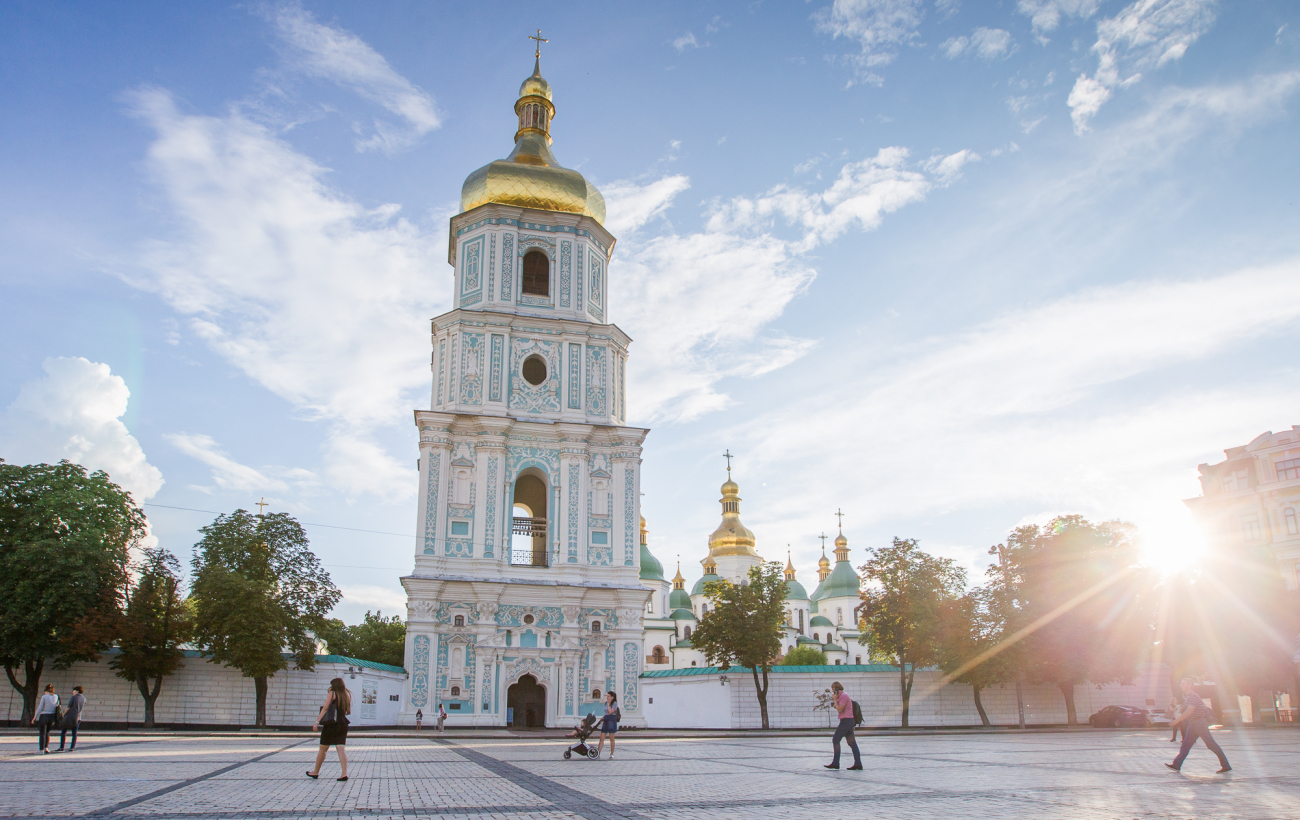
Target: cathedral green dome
820,620
678,599
681,614
794,591
698,589
843,582
651,569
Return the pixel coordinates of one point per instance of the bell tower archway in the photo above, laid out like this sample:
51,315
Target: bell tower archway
527,699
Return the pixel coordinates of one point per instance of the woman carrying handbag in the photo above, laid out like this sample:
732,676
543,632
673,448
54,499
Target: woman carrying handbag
48,713
333,724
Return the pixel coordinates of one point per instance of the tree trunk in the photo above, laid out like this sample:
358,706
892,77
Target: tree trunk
1067,689
30,688
762,694
979,706
905,688
260,720
142,683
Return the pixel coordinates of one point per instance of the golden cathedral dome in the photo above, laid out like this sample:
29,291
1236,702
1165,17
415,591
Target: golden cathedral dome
841,541
531,177
731,537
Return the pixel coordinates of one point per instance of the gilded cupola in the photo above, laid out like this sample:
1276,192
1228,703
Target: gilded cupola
731,537
531,177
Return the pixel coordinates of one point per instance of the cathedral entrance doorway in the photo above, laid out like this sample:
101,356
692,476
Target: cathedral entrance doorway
528,700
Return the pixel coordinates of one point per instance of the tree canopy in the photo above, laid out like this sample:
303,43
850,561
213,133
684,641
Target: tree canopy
1083,604
901,616
158,620
376,638
65,539
743,627
804,656
257,590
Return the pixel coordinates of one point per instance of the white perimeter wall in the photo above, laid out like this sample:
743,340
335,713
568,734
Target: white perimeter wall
202,693
701,702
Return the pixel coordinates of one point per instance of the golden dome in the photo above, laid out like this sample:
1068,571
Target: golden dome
841,541
531,177
825,563
731,537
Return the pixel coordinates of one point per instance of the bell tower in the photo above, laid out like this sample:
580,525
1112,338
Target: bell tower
528,556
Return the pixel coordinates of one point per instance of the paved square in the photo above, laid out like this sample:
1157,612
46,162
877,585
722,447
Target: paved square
1040,775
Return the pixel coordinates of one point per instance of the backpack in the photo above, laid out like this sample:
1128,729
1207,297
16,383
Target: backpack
618,715
857,714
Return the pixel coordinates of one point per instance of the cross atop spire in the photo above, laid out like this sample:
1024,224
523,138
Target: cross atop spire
537,53
728,456
823,538
262,505
840,515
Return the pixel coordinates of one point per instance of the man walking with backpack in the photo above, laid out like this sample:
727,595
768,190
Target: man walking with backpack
844,708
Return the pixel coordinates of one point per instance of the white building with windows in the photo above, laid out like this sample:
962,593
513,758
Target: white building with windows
1252,499
525,604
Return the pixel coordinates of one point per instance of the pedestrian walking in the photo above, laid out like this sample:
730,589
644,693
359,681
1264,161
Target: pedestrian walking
72,718
47,711
844,708
609,724
419,718
442,717
1173,713
333,724
1196,716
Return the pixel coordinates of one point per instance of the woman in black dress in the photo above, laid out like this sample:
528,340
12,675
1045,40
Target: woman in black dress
333,724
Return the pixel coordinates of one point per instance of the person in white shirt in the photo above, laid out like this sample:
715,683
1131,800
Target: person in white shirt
43,720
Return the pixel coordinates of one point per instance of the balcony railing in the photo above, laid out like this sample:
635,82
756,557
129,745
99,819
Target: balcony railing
531,556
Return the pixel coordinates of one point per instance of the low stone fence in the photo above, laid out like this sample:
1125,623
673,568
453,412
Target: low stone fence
208,695
698,698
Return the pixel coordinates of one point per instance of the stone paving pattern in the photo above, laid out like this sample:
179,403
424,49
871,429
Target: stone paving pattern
1083,774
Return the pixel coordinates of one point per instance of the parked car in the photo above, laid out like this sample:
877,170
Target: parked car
1113,717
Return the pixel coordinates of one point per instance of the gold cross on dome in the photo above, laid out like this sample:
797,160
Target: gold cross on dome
540,39
728,456
823,538
840,516
262,505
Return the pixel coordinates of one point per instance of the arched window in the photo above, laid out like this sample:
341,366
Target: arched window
692,663
687,633
455,691
801,622
459,621
817,637
537,274
1292,526
595,694
658,655
595,626
839,616
704,610
837,661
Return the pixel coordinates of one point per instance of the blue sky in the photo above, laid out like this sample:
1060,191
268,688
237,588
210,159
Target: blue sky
949,266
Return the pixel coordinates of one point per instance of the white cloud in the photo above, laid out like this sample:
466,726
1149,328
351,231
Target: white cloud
1020,409
341,57
1046,14
985,43
635,204
321,301
1144,35
687,40
698,304
385,599
229,474
73,412
879,26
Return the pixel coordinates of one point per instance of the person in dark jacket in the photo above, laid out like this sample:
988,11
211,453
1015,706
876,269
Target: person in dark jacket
1196,715
333,724
72,718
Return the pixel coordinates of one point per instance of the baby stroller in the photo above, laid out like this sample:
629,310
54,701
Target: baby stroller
582,732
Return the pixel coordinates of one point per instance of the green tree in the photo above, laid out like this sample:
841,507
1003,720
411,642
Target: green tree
1084,611
743,627
335,635
158,620
901,613
971,637
257,590
804,656
65,538
378,639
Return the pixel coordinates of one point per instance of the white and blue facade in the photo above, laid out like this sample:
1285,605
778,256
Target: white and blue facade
527,408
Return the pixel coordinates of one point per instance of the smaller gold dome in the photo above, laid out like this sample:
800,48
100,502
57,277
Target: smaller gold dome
825,563
841,541
730,487
731,537
536,85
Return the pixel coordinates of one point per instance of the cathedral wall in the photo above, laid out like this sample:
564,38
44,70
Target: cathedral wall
207,694
791,698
